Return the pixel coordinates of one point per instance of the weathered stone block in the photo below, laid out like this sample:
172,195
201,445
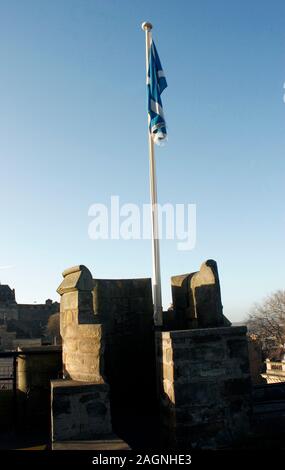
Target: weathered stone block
87,346
79,410
69,302
71,346
93,332
197,299
77,278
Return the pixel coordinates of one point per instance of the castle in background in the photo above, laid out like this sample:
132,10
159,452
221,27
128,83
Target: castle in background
22,320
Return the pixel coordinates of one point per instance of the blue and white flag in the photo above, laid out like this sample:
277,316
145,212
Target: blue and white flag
156,83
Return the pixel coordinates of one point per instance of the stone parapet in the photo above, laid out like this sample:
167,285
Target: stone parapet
197,300
205,386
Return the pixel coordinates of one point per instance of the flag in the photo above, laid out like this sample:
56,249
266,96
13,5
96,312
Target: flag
156,83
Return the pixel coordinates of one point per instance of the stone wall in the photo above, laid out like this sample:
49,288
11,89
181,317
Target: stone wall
80,407
37,312
201,374
108,337
125,309
36,367
205,386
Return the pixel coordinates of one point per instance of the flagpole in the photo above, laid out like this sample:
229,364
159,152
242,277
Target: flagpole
156,279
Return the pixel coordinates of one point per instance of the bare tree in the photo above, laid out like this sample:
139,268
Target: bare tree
53,328
266,321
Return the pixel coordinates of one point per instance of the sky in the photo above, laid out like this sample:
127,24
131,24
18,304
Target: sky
73,133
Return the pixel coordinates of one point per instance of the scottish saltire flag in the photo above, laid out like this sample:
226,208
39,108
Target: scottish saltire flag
156,83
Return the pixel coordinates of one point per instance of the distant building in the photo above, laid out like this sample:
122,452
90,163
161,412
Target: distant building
26,320
8,304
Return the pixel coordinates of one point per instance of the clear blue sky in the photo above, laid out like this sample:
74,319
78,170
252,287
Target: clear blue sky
73,132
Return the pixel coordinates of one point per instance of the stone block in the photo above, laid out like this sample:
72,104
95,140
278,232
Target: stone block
71,346
79,410
69,302
205,287
77,278
197,299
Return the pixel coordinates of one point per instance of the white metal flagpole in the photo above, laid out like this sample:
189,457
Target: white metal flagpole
156,280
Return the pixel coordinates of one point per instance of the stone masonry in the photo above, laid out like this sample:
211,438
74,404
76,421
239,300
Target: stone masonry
27,320
203,367
80,403
205,386
80,410
202,373
197,299
125,308
82,335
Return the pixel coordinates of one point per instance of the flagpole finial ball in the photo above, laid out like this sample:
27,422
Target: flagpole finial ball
146,26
